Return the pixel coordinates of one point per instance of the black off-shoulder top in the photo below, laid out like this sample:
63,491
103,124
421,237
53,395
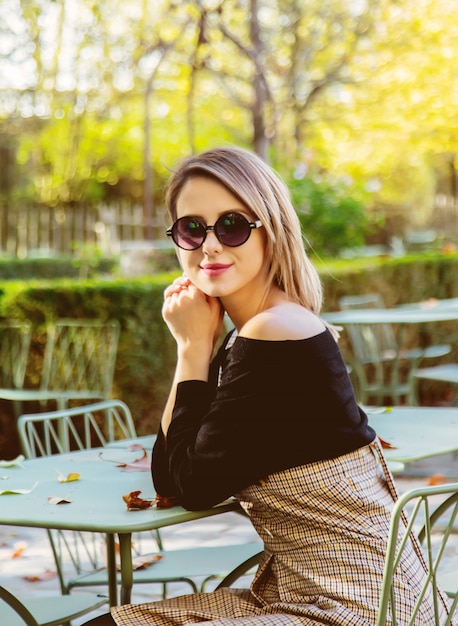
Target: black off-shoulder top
268,406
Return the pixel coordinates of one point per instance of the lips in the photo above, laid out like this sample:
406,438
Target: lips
215,269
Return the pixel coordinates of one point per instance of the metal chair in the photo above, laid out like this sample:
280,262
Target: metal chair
96,425
422,511
377,357
45,610
437,524
445,373
78,364
15,337
444,520
247,568
79,428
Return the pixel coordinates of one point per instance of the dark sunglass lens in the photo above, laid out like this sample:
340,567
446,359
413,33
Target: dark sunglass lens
188,233
232,229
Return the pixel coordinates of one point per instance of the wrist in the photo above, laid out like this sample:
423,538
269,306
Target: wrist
195,351
193,362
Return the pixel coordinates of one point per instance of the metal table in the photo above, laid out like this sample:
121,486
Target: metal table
96,503
398,315
416,432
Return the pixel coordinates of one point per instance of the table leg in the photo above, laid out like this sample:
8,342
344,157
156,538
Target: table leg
125,551
112,573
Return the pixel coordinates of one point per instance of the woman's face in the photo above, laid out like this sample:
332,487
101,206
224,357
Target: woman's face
219,270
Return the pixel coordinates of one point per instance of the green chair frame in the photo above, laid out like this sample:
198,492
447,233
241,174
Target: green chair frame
45,610
94,425
77,428
78,363
423,512
15,337
377,357
246,568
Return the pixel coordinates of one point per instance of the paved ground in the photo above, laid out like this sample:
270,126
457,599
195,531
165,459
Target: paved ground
25,552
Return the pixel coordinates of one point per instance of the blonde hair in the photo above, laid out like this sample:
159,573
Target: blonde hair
263,192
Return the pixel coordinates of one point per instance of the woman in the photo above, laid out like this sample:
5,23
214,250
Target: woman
272,419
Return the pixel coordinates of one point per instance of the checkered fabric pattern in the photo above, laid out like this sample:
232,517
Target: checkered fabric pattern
324,527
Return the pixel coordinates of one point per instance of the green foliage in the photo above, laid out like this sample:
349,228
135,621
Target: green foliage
46,268
331,219
88,102
86,263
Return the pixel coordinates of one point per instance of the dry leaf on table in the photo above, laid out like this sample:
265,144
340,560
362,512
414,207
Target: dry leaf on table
386,445
12,491
165,502
67,479
142,464
14,462
135,503
58,500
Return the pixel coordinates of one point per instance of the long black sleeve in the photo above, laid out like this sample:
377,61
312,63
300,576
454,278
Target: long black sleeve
279,404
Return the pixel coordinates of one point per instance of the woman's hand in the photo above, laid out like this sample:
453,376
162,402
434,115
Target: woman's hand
194,319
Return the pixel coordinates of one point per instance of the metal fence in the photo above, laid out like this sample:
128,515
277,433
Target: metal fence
47,231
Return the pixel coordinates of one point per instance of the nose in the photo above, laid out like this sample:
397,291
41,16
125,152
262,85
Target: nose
211,244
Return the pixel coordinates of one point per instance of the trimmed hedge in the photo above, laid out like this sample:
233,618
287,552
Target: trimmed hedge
411,278
146,353
46,268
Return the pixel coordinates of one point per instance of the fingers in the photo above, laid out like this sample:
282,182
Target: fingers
178,285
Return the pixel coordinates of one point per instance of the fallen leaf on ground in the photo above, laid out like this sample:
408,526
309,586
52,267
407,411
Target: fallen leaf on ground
142,562
58,500
18,549
386,445
436,479
135,503
36,578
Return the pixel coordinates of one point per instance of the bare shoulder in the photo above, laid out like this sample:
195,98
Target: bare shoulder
282,322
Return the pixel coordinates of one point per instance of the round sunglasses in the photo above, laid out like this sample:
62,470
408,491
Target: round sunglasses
231,229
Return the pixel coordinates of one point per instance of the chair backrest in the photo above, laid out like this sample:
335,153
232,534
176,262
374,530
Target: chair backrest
79,428
61,431
80,356
15,339
423,511
371,343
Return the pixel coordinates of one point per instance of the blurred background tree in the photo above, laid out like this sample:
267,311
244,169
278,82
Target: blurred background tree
332,220
99,99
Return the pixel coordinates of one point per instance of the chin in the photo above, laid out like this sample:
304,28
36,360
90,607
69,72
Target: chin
212,290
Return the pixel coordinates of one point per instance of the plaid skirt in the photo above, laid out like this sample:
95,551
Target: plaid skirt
324,526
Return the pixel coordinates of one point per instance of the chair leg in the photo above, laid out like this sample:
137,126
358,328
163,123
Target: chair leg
412,397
